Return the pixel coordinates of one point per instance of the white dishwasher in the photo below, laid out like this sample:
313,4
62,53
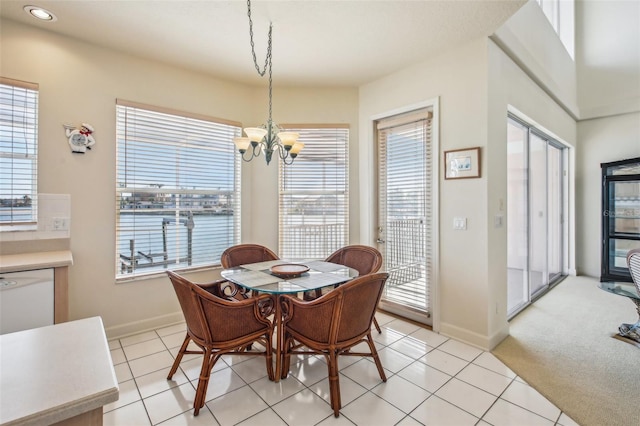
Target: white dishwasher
26,300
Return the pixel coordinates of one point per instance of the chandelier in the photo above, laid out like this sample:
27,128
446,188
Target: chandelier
269,137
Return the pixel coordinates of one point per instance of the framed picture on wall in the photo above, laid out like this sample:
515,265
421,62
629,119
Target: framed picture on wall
462,163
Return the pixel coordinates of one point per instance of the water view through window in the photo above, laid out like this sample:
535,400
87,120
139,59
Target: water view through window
177,192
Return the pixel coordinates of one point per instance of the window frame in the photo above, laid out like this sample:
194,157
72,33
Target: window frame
561,16
30,104
332,234
174,133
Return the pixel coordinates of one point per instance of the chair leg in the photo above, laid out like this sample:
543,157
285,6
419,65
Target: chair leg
376,359
203,381
178,359
375,322
334,384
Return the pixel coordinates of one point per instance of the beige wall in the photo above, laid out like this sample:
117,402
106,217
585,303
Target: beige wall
602,140
80,83
475,84
458,78
512,90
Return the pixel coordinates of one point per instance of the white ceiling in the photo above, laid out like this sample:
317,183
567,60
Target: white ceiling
315,42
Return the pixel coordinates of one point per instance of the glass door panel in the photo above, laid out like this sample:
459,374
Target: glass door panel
620,217
626,205
517,218
538,214
554,212
405,203
535,206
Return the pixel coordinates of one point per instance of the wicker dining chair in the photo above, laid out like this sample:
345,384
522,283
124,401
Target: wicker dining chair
333,324
365,259
218,327
242,254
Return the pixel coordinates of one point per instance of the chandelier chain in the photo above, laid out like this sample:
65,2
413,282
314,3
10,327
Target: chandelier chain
269,138
267,60
270,81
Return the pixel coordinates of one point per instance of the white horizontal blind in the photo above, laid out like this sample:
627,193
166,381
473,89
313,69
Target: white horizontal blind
314,194
177,190
18,152
405,160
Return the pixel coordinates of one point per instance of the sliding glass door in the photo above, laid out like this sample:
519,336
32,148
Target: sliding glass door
534,214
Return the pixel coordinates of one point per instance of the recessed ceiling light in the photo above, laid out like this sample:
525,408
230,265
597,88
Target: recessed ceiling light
40,13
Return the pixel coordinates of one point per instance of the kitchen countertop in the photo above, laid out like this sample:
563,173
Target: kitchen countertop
54,373
36,260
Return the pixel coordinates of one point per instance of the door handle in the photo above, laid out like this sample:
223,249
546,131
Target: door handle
380,241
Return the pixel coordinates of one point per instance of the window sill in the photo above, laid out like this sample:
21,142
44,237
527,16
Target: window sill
18,228
163,273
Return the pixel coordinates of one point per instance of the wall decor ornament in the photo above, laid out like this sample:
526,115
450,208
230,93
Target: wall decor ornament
80,138
462,163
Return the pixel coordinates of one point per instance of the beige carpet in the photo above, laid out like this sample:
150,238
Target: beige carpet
563,346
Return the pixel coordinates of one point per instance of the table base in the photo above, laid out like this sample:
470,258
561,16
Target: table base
631,331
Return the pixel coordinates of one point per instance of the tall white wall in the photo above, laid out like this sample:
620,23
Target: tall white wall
608,57
532,43
511,89
602,140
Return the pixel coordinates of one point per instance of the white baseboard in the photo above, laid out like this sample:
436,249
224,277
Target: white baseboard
124,330
486,343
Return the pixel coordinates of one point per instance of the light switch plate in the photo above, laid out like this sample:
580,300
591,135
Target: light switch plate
459,223
60,223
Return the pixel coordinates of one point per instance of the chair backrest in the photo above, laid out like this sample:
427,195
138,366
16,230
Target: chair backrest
214,320
359,302
341,315
243,254
188,304
633,262
365,259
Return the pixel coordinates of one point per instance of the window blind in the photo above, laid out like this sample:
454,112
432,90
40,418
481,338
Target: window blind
314,194
18,152
405,206
177,189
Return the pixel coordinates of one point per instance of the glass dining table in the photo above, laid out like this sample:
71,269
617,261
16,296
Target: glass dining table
630,331
279,277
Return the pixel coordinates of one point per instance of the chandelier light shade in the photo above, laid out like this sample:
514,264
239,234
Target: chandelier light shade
268,138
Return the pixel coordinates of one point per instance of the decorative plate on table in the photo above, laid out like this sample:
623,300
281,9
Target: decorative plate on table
288,270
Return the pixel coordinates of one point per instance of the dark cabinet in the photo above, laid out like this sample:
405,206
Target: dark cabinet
620,217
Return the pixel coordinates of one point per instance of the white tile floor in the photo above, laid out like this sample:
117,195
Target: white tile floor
431,380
